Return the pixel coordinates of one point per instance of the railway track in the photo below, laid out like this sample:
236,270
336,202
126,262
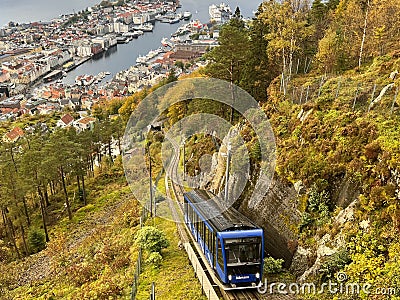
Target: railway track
178,191
176,208
250,295
242,295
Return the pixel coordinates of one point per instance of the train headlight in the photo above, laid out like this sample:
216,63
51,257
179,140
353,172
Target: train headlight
230,277
258,275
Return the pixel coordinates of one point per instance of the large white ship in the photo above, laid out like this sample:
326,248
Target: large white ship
221,13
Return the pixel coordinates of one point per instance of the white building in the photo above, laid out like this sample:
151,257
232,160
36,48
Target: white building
84,50
120,27
85,123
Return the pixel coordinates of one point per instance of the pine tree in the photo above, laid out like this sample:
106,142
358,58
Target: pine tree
259,69
230,57
318,17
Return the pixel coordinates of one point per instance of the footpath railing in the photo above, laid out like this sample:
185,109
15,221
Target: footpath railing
138,269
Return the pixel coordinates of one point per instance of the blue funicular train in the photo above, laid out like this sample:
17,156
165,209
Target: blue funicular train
232,244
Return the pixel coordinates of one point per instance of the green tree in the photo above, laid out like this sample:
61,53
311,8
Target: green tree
151,239
171,76
118,130
230,57
332,4
37,241
272,265
179,64
106,135
259,69
61,157
318,16
12,193
34,172
237,19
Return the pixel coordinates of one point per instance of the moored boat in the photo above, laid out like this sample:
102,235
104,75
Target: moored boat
146,27
175,20
121,39
187,15
69,66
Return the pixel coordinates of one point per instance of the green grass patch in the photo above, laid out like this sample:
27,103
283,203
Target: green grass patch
175,278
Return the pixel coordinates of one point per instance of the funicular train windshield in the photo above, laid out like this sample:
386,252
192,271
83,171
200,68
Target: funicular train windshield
243,251
243,256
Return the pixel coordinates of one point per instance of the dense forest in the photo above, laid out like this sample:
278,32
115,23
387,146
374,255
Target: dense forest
40,167
326,74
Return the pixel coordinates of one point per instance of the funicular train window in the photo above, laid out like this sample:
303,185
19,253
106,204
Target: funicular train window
212,243
190,213
200,229
209,241
187,209
202,225
197,224
220,258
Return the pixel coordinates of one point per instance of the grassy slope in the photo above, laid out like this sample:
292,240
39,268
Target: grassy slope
87,257
175,278
93,256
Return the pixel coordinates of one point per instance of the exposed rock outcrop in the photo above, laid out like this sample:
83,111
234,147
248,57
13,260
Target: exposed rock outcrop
307,262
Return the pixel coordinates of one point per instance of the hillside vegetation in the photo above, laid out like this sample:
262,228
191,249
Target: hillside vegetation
326,75
70,220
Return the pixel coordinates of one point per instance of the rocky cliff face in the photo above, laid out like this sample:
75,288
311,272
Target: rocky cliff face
279,216
307,261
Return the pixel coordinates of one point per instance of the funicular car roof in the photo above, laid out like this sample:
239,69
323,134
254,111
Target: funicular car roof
216,213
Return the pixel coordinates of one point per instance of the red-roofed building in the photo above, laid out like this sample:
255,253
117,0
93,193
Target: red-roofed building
126,17
4,75
13,135
66,121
